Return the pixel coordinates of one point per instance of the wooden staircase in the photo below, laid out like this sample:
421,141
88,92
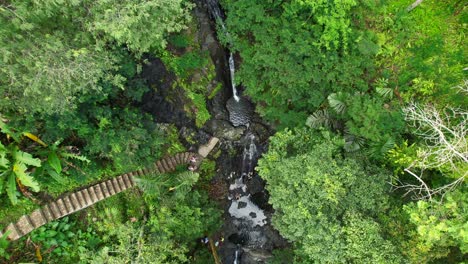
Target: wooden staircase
76,201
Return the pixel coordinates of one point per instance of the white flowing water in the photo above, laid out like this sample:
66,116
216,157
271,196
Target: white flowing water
232,70
216,12
242,207
236,257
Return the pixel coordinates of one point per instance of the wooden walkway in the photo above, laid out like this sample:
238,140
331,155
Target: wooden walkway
81,199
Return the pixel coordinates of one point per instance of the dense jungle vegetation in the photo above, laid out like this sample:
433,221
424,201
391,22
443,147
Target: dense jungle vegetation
368,100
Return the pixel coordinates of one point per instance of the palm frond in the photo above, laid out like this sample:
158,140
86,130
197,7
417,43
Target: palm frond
379,149
337,103
381,87
353,143
320,118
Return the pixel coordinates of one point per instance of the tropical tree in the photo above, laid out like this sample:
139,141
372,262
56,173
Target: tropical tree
325,202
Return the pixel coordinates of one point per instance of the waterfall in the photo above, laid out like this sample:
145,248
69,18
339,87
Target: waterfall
249,211
249,157
236,257
232,69
218,17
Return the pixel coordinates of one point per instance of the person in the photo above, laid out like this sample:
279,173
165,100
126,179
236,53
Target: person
205,240
192,168
193,159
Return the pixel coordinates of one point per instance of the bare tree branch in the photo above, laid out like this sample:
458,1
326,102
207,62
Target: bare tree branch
413,5
445,149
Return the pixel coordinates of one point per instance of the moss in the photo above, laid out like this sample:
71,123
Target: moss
215,91
173,143
9,213
217,154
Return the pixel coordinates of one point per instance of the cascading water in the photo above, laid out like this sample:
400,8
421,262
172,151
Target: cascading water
249,237
232,70
241,206
236,257
240,109
215,11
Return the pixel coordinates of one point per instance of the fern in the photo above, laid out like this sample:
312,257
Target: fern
155,185
186,180
75,156
13,169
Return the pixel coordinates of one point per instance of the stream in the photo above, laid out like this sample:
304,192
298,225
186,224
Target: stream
250,238
249,235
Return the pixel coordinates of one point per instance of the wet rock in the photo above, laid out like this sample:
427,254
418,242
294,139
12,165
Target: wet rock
261,200
238,239
255,256
223,129
255,184
156,101
241,205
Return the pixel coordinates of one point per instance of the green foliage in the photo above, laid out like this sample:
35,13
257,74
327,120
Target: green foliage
64,240
195,72
295,53
365,242
173,144
4,245
14,168
312,185
141,25
177,212
60,63
381,87
440,227
131,244
421,52
201,113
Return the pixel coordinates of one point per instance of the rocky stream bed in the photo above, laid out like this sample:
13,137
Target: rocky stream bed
249,236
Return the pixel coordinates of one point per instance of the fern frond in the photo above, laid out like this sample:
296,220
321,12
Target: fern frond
385,92
155,186
186,180
75,156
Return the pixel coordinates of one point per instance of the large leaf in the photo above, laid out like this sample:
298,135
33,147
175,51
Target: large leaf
54,162
4,162
26,158
56,176
319,118
7,130
19,170
34,138
385,92
3,177
11,188
336,103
